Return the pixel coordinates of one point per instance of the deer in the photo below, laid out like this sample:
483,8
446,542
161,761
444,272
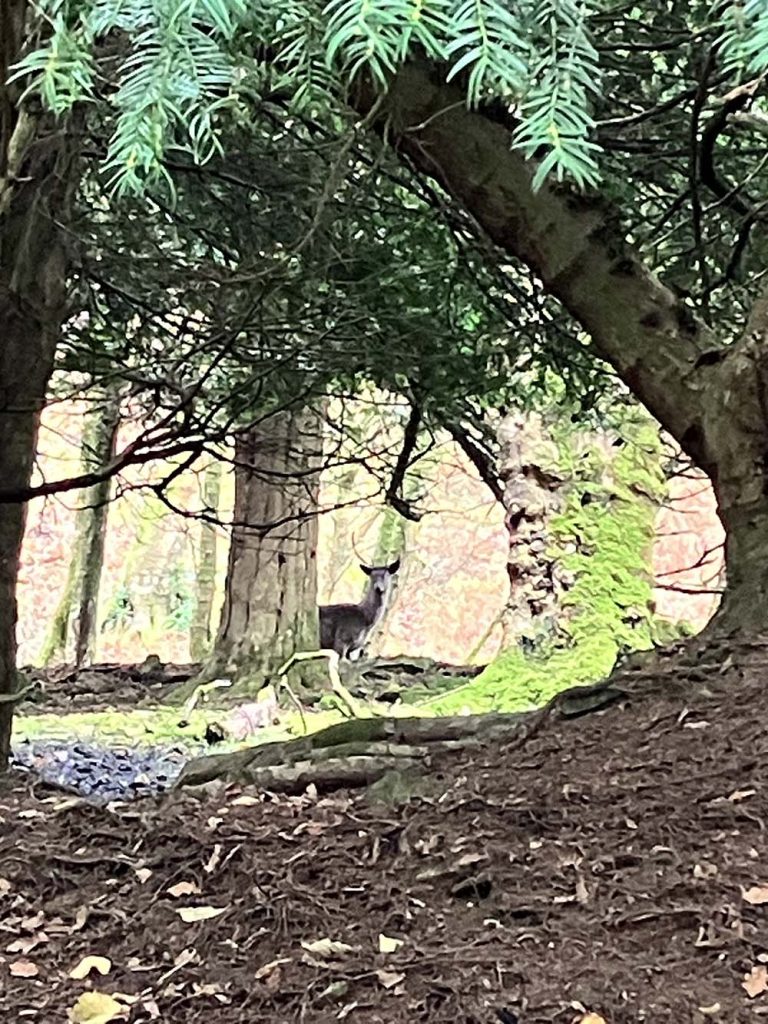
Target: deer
345,628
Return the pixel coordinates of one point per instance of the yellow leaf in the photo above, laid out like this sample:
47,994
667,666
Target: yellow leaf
756,895
184,889
96,1008
191,914
24,969
592,1018
388,945
91,963
756,982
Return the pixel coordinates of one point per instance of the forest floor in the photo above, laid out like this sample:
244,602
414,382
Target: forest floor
613,868
105,731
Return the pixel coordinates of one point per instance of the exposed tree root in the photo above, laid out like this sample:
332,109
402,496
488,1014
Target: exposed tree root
374,746
360,751
348,704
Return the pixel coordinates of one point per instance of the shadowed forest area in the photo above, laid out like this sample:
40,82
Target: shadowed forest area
383,511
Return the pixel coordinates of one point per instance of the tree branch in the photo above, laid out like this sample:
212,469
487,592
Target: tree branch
573,243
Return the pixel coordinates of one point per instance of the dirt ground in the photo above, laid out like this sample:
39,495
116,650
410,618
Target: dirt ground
613,866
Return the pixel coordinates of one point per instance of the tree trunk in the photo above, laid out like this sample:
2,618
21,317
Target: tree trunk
270,605
711,398
205,576
533,485
74,624
37,182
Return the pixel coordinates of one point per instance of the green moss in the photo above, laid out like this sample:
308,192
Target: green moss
156,726
603,536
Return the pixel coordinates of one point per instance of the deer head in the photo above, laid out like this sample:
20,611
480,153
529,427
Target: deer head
381,575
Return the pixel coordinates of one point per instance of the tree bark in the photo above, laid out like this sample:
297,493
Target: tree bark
200,631
38,179
533,486
74,623
713,400
270,605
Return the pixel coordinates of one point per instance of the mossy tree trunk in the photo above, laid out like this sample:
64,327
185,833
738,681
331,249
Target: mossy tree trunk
710,395
73,627
270,604
533,494
205,575
38,178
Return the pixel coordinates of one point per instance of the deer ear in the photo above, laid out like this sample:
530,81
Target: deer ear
392,569
365,569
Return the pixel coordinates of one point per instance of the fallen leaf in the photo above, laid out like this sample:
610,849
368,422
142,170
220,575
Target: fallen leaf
24,969
143,874
388,979
741,794
31,814
101,964
388,945
326,947
135,965
186,956
710,1011
213,860
96,1008
335,990
191,914
265,970
208,989
80,920
151,1007
33,922
245,801
27,943
756,982
5,886
184,889
757,895
592,1018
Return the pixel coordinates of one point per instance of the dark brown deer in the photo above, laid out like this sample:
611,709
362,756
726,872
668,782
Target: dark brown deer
344,628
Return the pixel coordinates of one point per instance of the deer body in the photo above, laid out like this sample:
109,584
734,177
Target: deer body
344,628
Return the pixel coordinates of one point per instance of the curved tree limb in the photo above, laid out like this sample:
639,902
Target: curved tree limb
573,243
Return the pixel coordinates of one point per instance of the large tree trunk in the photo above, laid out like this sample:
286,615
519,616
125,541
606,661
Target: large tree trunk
37,182
74,623
715,407
270,606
